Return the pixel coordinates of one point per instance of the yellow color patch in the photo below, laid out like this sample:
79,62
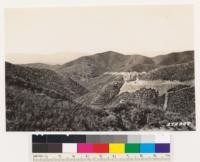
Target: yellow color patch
116,148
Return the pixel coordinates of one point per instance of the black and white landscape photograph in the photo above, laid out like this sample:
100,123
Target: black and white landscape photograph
100,68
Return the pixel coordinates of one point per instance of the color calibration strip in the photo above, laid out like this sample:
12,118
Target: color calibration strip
99,146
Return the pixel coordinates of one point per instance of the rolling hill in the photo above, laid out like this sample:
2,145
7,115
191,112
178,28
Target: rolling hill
20,76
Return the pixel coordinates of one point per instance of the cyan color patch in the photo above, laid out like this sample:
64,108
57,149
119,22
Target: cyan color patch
147,148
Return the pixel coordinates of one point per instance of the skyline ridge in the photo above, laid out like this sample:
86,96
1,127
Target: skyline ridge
41,58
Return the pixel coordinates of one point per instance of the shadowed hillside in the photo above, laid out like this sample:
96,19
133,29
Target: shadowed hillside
181,72
174,58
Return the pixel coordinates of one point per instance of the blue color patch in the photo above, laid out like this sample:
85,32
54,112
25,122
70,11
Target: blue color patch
147,148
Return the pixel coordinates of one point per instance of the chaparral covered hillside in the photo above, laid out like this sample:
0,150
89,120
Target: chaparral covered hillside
107,91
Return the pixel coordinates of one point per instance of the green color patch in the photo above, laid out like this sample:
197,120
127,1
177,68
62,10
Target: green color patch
132,148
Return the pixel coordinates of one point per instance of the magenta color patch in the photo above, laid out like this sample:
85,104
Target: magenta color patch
84,148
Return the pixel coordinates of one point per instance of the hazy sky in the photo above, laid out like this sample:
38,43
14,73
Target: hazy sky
76,31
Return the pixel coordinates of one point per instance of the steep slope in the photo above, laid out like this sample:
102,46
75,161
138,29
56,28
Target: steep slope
102,93
108,92
88,67
17,76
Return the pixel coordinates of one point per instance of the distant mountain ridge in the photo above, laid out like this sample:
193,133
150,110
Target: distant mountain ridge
41,66
88,67
111,60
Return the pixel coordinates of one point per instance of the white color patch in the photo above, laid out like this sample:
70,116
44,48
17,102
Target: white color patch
69,147
163,138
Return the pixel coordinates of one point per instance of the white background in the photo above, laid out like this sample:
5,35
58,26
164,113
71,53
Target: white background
16,146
